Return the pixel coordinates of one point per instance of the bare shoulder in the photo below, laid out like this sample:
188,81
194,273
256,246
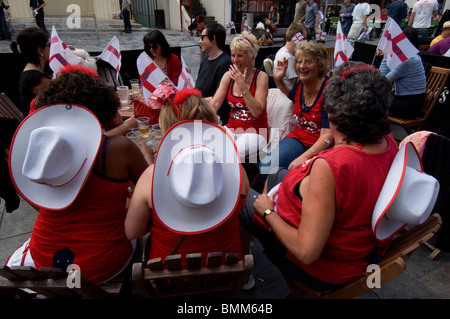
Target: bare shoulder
121,146
321,170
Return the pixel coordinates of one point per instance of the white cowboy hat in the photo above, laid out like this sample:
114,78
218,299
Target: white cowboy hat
407,197
196,177
52,154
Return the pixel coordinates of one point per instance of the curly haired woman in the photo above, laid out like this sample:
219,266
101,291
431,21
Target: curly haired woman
320,216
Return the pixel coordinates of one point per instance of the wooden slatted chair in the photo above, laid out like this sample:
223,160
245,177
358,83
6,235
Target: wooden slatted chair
8,109
391,266
436,81
330,55
27,283
221,275
108,74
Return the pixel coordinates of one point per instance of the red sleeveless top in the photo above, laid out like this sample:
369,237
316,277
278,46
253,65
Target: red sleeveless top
310,119
224,238
359,177
240,116
90,233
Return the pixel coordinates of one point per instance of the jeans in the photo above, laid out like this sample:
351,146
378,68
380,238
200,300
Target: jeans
4,32
311,34
287,150
126,19
422,33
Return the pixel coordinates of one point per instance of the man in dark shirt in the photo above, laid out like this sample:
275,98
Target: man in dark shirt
214,64
37,9
398,10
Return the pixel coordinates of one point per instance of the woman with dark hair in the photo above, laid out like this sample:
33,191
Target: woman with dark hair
320,213
35,48
90,230
409,81
274,16
157,47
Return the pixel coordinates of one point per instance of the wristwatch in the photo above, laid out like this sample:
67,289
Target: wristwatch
267,212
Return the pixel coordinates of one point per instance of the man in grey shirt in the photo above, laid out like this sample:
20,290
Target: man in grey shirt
312,19
346,16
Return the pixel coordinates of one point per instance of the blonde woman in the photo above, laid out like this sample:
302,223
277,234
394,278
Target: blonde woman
150,211
245,88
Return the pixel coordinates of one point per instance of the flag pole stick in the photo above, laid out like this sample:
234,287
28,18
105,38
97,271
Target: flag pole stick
378,44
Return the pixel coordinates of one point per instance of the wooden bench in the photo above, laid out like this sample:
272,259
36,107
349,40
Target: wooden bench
391,266
8,109
22,282
222,274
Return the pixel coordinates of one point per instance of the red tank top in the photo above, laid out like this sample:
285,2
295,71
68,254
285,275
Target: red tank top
309,119
224,238
240,116
359,177
91,231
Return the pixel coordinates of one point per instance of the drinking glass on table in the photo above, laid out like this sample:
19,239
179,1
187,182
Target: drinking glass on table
136,138
122,92
144,136
143,124
135,87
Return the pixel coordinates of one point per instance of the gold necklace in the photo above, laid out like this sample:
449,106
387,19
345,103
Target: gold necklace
308,98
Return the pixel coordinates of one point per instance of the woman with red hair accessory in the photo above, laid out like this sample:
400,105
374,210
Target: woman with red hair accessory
196,186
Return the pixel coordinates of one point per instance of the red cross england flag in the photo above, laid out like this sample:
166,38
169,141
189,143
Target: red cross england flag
395,44
112,55
60,54
298,37
343,50
185,80
150,75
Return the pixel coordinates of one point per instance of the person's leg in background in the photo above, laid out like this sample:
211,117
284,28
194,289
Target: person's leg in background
126,20
288,150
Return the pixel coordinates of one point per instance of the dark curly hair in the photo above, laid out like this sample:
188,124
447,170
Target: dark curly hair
357,100
81,88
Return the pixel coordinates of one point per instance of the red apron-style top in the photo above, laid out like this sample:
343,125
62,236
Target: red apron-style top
224,238
359,177
309,121
240,116
90,233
